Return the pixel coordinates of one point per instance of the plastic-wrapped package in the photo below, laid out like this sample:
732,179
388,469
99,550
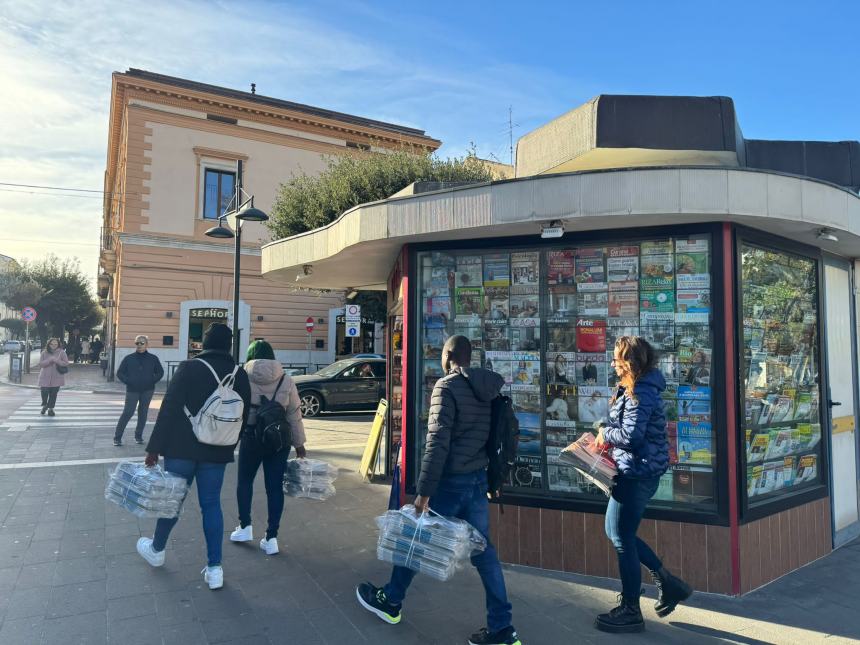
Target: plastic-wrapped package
591,462
146,492
310,478
430,544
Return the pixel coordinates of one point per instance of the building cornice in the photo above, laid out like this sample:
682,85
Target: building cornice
140,239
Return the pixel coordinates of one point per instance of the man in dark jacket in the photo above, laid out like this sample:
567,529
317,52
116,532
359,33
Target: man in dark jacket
140,372
173,438
454,477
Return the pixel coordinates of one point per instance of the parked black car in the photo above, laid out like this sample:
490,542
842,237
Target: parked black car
350,384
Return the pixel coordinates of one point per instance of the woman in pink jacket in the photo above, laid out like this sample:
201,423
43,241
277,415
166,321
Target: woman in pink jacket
54,364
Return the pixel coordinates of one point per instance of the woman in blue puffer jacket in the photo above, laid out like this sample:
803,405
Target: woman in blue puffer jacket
636,433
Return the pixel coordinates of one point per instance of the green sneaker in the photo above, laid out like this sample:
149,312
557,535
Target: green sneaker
373,600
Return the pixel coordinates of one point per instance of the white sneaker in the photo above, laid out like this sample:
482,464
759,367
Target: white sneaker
270,546
242,534
144,547
214,577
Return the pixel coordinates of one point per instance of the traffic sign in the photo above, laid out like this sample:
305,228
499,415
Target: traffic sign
309,324
28,314
353,311
352,331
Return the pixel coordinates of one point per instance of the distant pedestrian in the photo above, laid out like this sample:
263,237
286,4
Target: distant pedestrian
268,380
453,482
96,349
186,457
54,363
85,350
140,372
637,435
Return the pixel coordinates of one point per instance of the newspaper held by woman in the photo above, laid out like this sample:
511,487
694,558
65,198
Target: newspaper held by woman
591,462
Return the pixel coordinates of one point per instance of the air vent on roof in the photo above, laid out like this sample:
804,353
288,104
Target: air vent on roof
221,119
360,146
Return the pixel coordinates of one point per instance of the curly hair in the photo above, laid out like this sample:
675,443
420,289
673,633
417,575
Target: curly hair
638,357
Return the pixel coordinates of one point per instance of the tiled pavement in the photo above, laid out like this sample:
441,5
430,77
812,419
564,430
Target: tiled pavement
69,572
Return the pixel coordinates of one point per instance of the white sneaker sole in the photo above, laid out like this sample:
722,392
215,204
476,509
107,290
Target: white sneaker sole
373,610
211,586
153,563
266,550
241,540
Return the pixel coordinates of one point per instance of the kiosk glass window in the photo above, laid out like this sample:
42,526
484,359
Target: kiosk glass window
780,370
547,319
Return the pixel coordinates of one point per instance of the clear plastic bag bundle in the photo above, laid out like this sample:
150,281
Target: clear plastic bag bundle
146,492
430,544
311,478
591,462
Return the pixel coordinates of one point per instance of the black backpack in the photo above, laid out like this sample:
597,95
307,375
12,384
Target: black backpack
502,444
272,431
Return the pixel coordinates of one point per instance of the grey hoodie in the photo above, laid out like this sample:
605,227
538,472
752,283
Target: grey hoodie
458,426
264,375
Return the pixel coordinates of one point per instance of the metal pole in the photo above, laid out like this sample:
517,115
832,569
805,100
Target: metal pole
236,265
309,354
27,347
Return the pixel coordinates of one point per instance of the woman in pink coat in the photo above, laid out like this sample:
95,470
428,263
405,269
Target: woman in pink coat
51,379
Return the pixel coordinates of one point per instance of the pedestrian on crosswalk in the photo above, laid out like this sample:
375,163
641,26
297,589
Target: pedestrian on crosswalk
54,364
140,372
173,438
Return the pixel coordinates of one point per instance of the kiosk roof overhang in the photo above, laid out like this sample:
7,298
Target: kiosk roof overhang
359,248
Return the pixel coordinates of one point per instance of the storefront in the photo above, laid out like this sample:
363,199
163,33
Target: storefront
741,278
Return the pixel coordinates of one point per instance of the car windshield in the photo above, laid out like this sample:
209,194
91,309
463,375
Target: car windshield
335,368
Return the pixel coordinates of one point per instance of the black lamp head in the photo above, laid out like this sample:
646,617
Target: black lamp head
250,214
220,232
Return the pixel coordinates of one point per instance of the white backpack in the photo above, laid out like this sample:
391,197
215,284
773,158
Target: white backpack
219,421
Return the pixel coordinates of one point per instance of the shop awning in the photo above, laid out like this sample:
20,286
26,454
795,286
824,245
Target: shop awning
359,248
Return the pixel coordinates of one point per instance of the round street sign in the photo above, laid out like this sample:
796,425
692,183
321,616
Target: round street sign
353,311
28,314
309,324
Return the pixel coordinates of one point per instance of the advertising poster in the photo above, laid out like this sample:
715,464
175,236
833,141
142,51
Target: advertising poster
470,303
590,270
657,272
593,403
592,303
561,409
497,270
524,269
622,268
562,303
469,271
591,335
560,268
591,372
560,367
561,338
623,304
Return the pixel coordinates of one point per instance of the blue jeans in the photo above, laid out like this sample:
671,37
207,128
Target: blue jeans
274,465
623,514
465,497
210,477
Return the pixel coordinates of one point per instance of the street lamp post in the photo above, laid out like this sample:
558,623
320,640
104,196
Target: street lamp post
244,212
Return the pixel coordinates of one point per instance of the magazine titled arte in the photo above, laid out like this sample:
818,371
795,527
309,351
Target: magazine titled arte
622,268
590,269
591,335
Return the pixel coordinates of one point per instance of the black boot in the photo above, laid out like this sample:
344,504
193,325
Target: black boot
672,590
624,619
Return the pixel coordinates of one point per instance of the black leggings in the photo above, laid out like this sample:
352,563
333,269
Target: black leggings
49,397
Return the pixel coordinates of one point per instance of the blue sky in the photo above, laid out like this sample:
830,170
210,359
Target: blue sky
449,68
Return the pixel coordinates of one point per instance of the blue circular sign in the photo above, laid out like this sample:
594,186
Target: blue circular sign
28,314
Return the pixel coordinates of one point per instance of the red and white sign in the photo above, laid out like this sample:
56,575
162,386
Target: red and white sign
309,324
28,314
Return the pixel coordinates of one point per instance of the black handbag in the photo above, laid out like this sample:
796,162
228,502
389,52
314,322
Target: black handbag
62,369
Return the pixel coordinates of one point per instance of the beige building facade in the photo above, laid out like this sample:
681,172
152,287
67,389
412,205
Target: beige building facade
173,151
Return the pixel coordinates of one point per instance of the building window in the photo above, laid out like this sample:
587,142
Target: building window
219,186
547,320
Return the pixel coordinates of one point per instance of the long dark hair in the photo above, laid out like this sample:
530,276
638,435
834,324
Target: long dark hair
638,357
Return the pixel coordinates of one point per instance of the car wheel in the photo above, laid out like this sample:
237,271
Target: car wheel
311,404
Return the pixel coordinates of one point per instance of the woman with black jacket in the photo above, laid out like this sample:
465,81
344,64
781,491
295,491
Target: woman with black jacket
173,438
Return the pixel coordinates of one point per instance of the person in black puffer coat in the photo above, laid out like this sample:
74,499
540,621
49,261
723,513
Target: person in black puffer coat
173,438
636,434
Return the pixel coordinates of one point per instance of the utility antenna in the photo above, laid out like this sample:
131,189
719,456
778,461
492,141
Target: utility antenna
511,126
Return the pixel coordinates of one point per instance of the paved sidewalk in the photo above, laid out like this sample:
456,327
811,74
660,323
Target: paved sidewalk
81,377
69,574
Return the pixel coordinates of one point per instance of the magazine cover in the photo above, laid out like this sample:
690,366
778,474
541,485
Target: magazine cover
692,484
473,332
561,409
693,302
622,268
590,272
665,490
527,470
692,245
434,339
496,338
497,270
694,440
656,302
524,305
470,302
693,407
807,469
618,327
622,304
593,403
438,306
803,406
561,338
560,267
658,272
524,269
754,474
526,402
469,271
502,368
695,367
529,421
525,339
656,247
592,372
780,443
757,448
526,375
435,321
660,334
592,303
669,367
496,306
530,443
691,270
562,303
590,335
692,336
440,277
672,437
561,437
565,479
560,367
696,392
